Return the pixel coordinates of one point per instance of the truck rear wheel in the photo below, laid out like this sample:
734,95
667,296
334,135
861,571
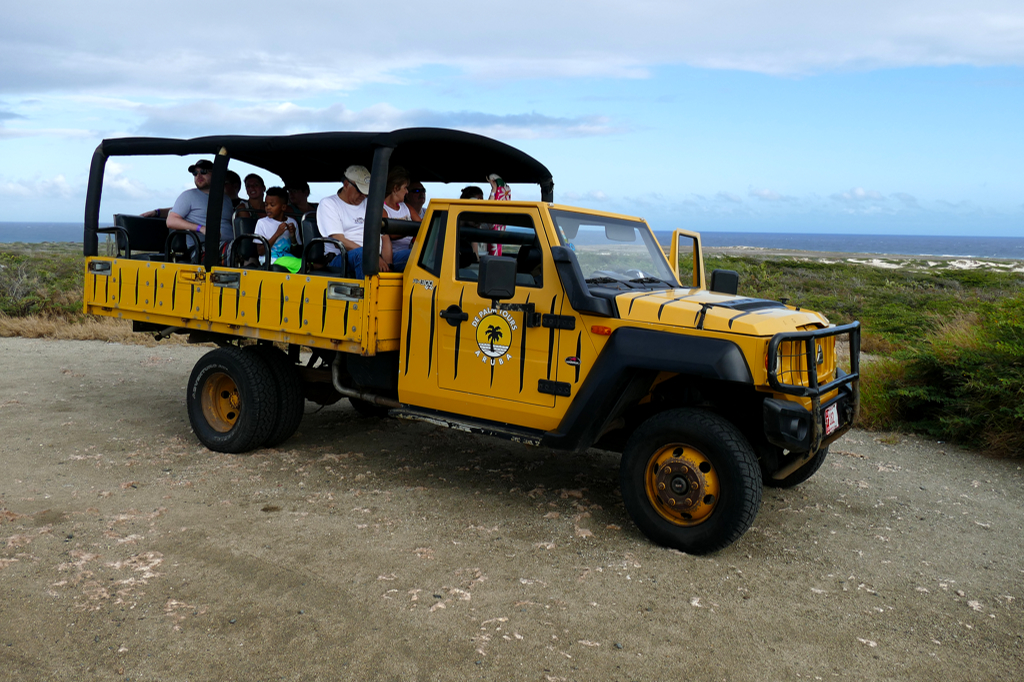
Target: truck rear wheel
290,403
690,481
231,400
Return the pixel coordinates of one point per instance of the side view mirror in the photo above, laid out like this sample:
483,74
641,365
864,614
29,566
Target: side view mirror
692,272
497,279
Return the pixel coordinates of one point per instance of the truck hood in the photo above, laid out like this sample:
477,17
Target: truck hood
702,309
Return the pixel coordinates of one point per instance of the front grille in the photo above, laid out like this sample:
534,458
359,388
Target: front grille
803,363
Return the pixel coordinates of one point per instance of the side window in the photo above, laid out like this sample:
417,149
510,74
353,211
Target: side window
433,246
512,235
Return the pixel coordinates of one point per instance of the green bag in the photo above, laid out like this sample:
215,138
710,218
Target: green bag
291,262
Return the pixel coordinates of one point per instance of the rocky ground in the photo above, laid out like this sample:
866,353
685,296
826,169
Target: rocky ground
367,549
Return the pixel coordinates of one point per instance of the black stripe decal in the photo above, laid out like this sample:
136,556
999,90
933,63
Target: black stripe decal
662,307
635,298
302,305
579,360
280,312
344,332
408,332
137,277
323,312
522,349
433,317
174,292
191,297
458,337
94,278
220,303
106,290
259,301
154,287
551,337
238,300
120,281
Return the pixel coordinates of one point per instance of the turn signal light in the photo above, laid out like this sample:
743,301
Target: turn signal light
603,331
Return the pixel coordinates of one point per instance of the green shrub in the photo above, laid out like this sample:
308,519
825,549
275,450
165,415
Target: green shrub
963,383
40,281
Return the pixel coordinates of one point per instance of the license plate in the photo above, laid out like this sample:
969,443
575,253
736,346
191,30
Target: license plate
831,419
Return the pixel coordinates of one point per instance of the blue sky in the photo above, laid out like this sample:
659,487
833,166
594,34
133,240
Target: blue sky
898,117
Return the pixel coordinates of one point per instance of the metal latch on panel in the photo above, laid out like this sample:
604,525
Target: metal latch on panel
554,387
226,279
559,321
344,292
531,318
99,267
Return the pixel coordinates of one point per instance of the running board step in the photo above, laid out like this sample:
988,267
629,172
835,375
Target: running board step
515,434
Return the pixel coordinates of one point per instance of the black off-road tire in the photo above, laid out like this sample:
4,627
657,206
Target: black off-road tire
291,404
368,409
713,481
801,474
231,400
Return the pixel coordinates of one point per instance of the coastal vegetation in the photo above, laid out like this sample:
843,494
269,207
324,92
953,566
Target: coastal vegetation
943,345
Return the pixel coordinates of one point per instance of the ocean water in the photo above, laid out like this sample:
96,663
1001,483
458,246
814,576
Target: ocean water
910,245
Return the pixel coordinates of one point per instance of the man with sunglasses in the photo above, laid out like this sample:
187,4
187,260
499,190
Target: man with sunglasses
341,216
189,211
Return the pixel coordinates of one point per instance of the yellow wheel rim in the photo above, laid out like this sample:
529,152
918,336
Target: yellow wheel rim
221,403
681,484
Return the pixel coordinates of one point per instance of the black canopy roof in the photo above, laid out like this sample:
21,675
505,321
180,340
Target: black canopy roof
429,154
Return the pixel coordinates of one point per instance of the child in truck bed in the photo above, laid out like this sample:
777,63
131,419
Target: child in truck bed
277,228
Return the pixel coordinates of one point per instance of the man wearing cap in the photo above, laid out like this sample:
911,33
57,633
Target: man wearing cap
341,216
189,211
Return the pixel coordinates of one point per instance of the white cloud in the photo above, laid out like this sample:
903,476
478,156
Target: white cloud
10,133
123,45
43,189
181,120
768,195
858,195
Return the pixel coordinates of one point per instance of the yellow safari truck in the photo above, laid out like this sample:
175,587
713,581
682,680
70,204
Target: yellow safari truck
580,334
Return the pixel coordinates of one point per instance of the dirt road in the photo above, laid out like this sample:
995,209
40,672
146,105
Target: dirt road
382,550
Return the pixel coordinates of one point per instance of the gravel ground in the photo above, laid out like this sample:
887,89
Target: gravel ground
373,549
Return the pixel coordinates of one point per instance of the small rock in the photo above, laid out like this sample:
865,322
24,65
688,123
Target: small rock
618,646
232,621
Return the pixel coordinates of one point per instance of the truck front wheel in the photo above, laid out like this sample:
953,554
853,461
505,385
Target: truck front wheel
230,400
690,481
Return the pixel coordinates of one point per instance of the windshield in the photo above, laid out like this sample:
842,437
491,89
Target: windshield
613,250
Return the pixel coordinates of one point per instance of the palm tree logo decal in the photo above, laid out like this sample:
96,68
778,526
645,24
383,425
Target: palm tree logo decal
493,337
493,334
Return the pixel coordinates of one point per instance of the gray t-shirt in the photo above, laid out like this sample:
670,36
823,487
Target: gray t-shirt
191,205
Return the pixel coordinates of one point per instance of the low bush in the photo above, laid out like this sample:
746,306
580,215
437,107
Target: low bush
964,382
949,343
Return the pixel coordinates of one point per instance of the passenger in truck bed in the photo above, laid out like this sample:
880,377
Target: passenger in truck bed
394,205
341,216
189,211
232,186
255,187
416,197
278,229
298,197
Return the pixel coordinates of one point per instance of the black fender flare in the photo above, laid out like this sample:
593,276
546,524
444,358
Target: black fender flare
626,369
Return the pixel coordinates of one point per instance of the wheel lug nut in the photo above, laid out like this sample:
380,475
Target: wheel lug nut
672,501
661,486
693,485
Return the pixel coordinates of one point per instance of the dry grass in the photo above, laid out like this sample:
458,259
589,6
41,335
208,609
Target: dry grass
87,329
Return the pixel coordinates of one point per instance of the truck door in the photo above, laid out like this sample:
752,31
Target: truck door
497,352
